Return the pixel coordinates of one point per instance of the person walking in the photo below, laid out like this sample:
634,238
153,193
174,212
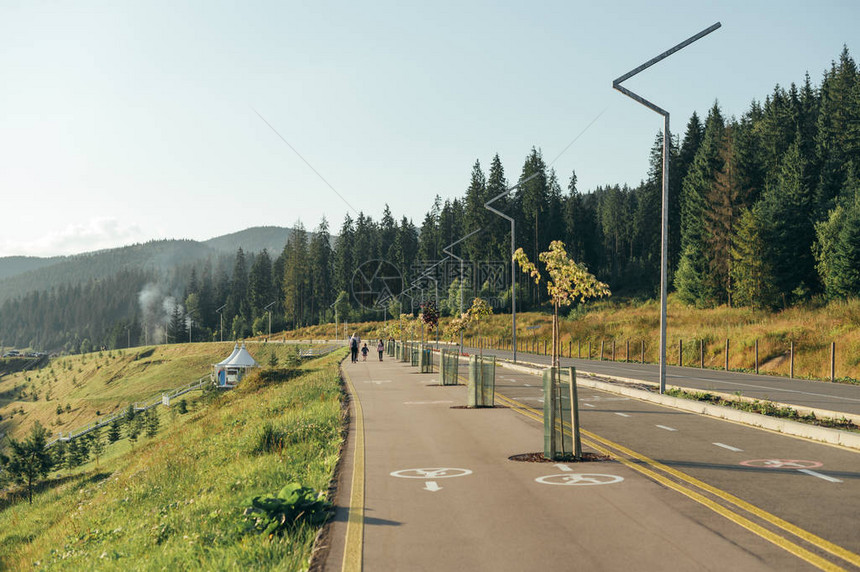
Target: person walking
364,352
353,348
380,347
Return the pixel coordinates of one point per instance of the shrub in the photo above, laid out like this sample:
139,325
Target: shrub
294,503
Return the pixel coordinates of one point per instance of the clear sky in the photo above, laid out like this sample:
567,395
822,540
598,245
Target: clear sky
122,122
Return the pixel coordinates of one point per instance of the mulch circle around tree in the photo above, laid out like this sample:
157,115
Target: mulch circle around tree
539,458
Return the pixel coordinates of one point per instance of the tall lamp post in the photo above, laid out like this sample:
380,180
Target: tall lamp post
221,319
447,251
513,265
270,318
665,224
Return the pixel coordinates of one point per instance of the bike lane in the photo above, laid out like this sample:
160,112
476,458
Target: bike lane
440,493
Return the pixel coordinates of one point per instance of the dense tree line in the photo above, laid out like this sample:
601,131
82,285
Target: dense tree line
764,211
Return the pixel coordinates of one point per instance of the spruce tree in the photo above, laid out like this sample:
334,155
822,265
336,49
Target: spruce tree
29,460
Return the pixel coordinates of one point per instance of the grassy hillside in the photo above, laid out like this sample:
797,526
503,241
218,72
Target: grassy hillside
101,383
812,328
177,501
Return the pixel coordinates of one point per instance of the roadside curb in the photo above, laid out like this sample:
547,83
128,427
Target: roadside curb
785,426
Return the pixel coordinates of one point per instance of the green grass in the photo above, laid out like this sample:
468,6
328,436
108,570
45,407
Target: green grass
176,501
765,407
102,383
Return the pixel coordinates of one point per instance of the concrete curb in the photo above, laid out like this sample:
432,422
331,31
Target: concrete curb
785,426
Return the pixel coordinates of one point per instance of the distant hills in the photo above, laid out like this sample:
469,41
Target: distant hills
22,274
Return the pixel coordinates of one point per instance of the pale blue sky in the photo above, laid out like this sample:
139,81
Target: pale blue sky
127,121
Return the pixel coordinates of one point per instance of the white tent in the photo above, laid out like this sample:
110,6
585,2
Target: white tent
228,372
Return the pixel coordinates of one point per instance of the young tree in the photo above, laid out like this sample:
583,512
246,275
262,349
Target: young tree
114,431
96,443
29,459
152,422
567,282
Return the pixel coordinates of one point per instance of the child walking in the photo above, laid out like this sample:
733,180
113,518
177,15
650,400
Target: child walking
364,351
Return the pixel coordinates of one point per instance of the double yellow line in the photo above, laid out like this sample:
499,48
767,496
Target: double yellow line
687,487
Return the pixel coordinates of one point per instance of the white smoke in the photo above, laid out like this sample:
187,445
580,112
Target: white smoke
156,308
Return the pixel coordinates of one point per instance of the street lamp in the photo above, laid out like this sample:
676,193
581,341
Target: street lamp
452,255
270,318
221,319
665,223
334,305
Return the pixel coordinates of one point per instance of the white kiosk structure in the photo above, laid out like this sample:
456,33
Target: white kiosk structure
227,373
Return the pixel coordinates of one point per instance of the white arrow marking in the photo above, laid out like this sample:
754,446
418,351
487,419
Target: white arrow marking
666,428
379,381
819,475
564,468
729,447
432,486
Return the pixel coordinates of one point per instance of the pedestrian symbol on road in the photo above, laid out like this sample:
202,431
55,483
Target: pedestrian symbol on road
781,464
432,473
579,479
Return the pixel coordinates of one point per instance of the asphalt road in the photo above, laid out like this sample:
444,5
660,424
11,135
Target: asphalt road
437,490
841,397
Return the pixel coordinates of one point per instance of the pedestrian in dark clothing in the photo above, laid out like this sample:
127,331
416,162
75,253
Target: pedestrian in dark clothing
380,347
353,348
364,352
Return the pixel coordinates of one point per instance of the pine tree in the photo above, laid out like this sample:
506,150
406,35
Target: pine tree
96,443
752,276
114,431
152,422
475,248
29,460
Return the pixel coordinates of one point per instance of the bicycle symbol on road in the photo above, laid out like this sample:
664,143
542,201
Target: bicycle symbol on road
579,479
431,473
781,464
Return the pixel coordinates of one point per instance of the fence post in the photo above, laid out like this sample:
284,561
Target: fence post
601,349
701,354
589,349
613,349
791,361
833,361
680,353
627,353
643,351
727,354
569,347
579,349
756,357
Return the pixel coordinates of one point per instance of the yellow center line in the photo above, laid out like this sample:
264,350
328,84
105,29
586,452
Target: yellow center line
354,543
780,541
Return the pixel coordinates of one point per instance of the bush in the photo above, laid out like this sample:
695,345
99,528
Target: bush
294,503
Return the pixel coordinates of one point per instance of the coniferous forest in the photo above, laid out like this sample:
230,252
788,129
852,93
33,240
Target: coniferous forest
764,212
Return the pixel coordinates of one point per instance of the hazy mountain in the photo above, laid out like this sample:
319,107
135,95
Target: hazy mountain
20,275
255,239
12,265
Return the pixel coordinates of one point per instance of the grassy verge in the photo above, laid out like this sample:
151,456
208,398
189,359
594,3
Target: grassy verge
178,501
765,408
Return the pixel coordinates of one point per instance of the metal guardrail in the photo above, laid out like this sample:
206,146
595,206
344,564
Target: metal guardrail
317,352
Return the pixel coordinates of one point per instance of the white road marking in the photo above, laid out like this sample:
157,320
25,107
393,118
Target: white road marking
588,404
666,428
432,486
579,479
425,402
527,384
729,447
564,468
378,381
819,475
624,415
